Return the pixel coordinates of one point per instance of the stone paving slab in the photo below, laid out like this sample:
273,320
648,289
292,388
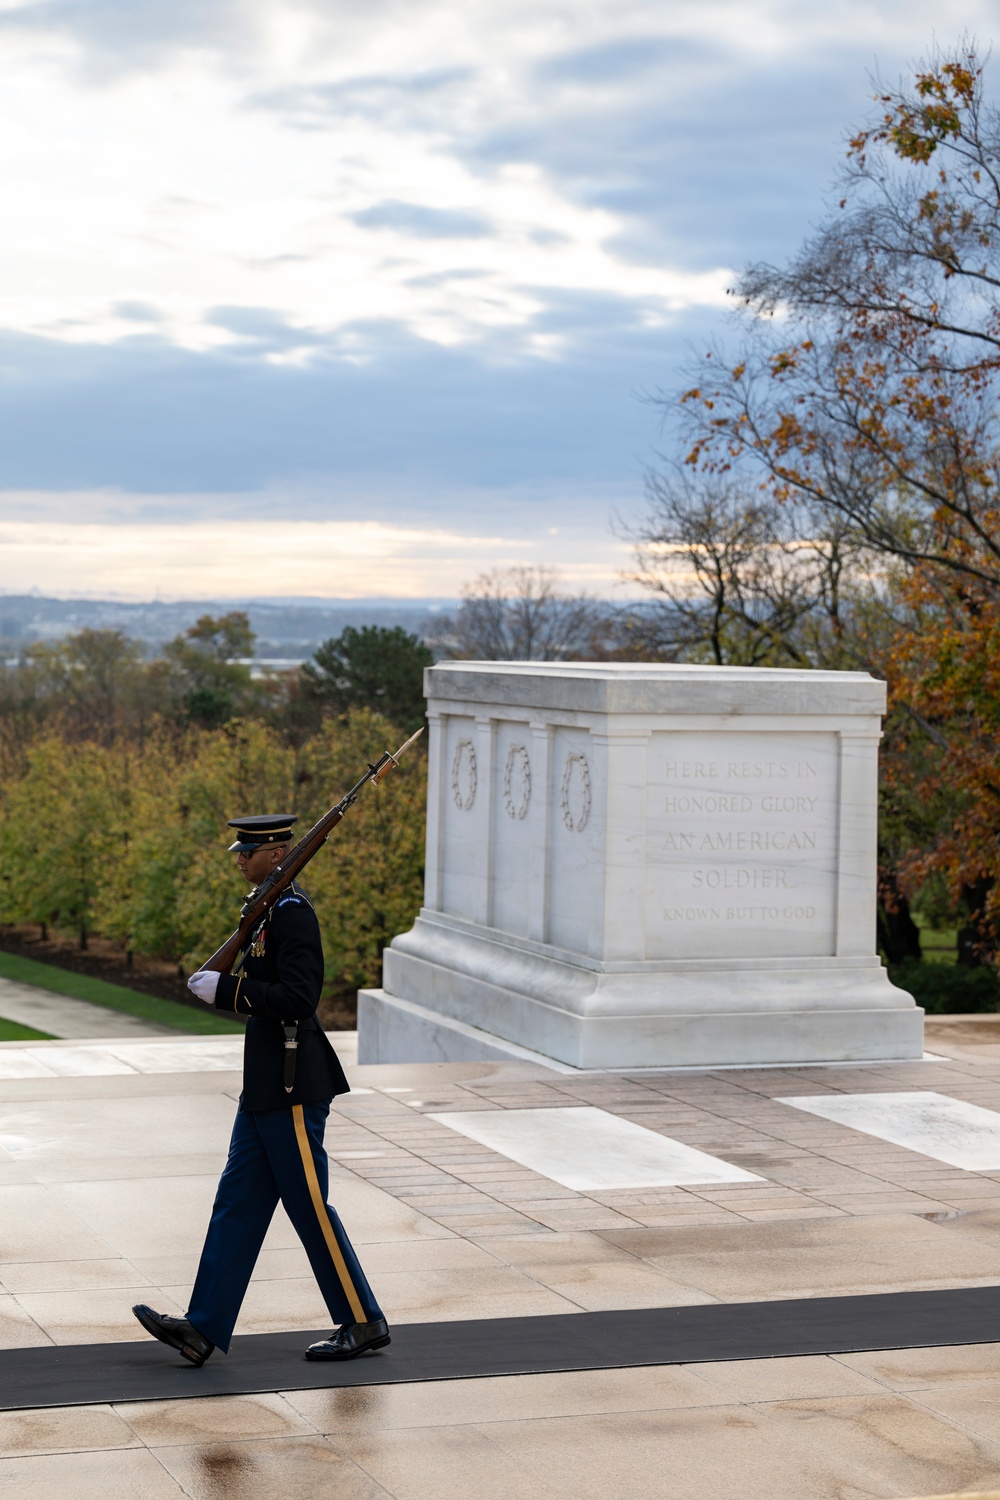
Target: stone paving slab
165,1051
796,1429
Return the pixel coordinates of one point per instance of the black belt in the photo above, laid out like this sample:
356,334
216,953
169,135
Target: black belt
291,1030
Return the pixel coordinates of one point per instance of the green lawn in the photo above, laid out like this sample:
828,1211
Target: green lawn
939,944
10,1031
115,996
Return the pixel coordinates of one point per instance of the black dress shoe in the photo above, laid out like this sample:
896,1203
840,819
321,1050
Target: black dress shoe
351,1340
177,1332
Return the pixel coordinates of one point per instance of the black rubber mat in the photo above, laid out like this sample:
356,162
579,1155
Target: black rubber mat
82,1374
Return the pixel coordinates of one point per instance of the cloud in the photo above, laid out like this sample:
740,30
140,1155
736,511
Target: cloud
136,312
614,63
411,424
409,260
250,155
698,157
261,329
423,221
409,99
281,558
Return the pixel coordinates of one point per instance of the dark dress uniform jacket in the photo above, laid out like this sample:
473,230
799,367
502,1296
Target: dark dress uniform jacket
281,981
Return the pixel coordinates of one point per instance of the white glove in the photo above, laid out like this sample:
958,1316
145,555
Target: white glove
204,984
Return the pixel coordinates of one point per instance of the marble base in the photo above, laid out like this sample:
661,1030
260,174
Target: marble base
391,1030
457,992
397,1031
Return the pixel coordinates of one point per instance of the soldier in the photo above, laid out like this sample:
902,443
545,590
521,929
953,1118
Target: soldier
290,1075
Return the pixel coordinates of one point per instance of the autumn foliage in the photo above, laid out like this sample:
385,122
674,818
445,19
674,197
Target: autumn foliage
864,396
128,839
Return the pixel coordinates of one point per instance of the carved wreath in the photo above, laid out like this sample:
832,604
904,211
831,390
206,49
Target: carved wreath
517,764
576,770
464,759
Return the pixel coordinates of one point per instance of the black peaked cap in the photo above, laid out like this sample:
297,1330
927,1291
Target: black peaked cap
261,828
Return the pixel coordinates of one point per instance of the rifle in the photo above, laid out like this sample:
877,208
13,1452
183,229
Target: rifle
259,901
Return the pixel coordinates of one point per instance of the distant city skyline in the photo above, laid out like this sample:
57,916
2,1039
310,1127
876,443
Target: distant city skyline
297,297
291,630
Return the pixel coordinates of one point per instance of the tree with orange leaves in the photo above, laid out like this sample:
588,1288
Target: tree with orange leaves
867,389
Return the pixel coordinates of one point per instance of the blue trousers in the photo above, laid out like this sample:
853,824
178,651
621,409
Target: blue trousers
275,1154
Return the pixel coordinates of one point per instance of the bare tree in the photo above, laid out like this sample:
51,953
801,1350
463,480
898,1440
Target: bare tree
875,393
92,682
519,614
739,578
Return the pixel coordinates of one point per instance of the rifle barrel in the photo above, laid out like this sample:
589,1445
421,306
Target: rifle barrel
260,900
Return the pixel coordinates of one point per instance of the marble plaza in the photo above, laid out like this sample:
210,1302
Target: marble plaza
462,1184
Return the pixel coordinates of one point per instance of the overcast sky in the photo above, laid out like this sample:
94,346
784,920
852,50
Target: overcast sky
350,299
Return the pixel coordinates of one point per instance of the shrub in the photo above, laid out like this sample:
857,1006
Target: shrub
948,989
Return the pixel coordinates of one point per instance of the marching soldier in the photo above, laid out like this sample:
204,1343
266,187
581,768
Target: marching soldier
290,1075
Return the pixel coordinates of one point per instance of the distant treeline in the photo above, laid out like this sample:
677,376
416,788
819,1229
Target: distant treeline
101,685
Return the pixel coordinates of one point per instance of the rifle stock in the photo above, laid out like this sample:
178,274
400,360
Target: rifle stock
260,900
